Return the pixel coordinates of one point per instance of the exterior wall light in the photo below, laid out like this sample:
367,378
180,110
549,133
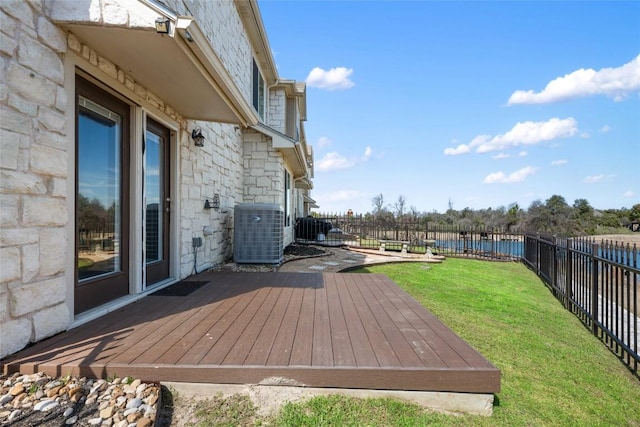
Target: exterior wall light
162,25
198,138
213,204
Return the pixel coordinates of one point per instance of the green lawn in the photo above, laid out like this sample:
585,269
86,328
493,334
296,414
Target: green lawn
84,263
554,372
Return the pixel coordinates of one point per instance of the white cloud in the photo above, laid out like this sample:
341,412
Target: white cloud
324,142
523,154
517,176
333,161
333,79
339,196
367,154
616,83
559,162
523,133
628,193
605,129
500,156
460,149
526,133
592,179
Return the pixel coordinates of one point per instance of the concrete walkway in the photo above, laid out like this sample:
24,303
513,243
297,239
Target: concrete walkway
338,259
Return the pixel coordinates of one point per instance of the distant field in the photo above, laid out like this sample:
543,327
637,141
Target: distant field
624,238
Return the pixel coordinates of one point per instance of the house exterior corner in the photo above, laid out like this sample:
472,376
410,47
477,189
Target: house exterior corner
105,194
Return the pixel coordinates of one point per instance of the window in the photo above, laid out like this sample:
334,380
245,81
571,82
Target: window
287,188
258,90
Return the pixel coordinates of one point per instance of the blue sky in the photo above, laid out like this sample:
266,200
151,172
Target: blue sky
481,104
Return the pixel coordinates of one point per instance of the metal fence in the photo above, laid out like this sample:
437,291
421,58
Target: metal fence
411,235
598,282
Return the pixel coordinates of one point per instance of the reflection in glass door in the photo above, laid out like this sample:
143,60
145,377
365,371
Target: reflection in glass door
101,198
99,219
158,202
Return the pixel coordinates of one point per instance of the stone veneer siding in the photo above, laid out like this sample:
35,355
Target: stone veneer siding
277,110
35,186
33,177
263,170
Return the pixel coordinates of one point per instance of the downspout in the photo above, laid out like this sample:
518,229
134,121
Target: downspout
302,162
161,9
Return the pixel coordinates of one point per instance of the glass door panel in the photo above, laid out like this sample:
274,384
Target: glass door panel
102,197
155,197
158,202
99,195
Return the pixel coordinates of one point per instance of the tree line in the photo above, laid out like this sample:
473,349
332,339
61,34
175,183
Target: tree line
552,216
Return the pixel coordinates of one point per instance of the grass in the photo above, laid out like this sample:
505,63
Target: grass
554,372
84,263
338,410
229,412
368,243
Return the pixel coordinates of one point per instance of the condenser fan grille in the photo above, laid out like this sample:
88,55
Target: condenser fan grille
258,233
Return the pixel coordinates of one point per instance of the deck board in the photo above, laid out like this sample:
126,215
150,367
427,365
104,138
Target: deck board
360,344
264,342
316,329
301,352
322,347
382,348
391,329
339,334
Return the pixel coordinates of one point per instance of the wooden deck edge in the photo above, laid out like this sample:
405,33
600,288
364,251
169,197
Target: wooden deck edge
470,380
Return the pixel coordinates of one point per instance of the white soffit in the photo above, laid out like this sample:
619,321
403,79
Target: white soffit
180,68
310,201
304,183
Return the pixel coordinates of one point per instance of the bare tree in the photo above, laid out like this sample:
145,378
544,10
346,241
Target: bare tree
399,206
413,211
378,204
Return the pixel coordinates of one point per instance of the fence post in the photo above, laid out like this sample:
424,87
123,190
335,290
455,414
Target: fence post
538,254
554,265
595,247
569,276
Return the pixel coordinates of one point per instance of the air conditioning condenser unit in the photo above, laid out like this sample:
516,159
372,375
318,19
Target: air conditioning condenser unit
258,233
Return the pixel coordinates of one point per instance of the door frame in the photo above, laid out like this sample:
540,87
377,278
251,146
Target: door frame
140,107
157,267
138,270
100,290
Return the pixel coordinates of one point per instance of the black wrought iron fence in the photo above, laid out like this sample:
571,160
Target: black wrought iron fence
597,281
409,234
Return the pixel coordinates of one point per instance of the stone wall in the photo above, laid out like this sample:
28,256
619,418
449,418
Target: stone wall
277,110
263,170
33,177
206,171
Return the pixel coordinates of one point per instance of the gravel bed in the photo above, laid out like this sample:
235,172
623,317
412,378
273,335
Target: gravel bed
292,252
40,400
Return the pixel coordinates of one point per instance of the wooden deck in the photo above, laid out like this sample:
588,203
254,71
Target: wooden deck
313,329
